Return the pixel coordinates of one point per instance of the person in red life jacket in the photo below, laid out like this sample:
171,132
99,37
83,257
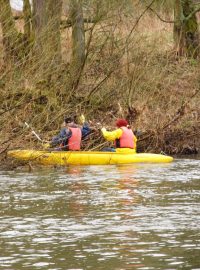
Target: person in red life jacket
123,137
71,134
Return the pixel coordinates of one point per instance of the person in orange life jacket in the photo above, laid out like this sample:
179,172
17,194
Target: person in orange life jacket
123,137
70,135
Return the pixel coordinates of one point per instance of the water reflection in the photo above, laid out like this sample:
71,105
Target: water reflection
140,216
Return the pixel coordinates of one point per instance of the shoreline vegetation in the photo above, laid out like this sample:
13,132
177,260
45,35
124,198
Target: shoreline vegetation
103,60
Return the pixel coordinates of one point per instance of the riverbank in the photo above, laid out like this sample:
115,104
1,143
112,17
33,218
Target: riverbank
166,112
154,90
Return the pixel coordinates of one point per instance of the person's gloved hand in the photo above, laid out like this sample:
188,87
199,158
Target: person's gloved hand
82,119
103,129
46,145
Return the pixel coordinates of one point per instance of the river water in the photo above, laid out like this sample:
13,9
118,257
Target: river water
139,216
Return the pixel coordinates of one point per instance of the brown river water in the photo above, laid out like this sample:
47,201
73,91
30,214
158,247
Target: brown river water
139,216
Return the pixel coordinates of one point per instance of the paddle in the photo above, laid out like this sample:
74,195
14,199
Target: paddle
46,143
34,133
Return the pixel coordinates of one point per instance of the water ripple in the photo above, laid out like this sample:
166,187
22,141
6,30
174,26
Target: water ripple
139,216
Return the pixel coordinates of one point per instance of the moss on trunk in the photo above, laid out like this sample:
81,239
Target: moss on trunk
186,35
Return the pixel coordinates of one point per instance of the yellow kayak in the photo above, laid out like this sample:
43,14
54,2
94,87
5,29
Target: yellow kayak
86,157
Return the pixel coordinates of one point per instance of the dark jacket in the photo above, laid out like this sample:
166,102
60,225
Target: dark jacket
65,133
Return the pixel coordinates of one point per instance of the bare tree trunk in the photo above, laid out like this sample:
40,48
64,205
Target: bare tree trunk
46,24
186,35
78,44
78,34
39,15
27,20
11,36
178,28
39,19
54,11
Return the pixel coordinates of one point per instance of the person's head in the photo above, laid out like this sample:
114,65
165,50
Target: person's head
121,123
68,120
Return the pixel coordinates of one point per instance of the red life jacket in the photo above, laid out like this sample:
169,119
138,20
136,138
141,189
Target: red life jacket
74,142
126,140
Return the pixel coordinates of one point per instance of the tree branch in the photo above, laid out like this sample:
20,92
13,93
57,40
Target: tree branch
139,18
64,23
159,17
192,13
184,19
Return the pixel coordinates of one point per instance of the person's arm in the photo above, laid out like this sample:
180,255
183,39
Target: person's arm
62,137
85,130
112,135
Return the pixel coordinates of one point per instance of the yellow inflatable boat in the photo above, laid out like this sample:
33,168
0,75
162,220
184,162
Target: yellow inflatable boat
86,157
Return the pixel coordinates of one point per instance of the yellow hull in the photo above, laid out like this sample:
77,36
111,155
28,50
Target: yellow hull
86,157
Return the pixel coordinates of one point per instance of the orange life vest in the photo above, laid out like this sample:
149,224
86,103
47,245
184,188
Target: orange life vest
74,142
126,140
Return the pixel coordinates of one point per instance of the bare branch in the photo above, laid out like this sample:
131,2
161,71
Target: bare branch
192,13
159,17
139,18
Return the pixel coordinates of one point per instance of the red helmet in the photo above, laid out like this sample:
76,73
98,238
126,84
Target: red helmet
121,123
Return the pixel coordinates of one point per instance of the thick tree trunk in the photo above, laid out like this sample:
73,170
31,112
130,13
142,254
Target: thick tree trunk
16,44
46,25
186,35
39,19
39,15
54,10
78,44
178,28
78,34
27,20
11,37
